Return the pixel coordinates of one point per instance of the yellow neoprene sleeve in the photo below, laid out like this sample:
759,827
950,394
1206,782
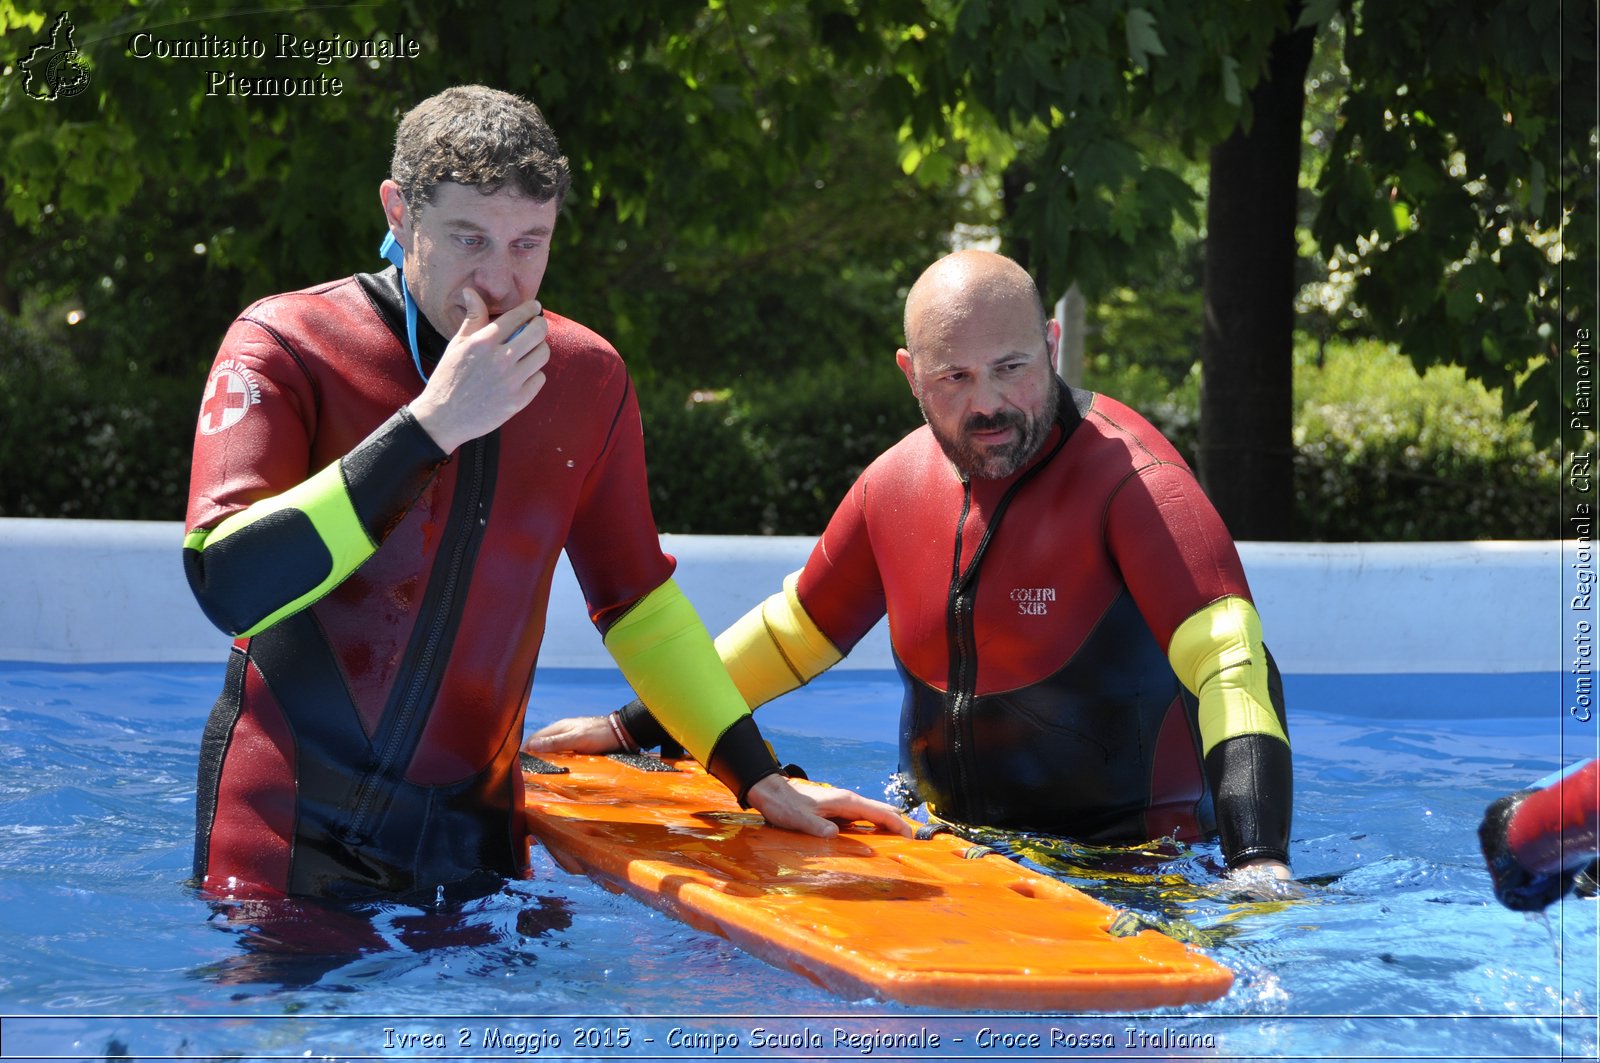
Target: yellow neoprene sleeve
775,647
1218,654
325,501
668,658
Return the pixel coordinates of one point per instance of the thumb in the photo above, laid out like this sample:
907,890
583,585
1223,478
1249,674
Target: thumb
477,312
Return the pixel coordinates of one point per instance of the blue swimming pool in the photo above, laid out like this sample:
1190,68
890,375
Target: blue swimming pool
1396,950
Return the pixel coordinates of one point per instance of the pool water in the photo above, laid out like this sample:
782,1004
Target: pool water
1391,947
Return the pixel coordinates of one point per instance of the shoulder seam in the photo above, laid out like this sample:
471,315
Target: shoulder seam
1111,496
288,349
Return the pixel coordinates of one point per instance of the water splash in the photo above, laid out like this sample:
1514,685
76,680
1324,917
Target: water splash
1549,928
901,792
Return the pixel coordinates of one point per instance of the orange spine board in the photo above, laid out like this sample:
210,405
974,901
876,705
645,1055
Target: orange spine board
866,914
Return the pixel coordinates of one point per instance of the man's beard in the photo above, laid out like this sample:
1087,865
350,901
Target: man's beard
996,463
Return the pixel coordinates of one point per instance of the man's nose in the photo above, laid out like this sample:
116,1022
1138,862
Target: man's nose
496,279
988,397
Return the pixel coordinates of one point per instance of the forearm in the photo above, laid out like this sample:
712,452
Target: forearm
769,651
281,554
1252,783
668,658
1218,654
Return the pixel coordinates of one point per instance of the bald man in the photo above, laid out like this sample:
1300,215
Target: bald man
1080,651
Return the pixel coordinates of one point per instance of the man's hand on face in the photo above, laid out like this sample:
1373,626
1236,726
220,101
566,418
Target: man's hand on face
489,372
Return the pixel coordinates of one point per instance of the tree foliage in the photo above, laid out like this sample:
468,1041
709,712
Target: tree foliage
757,180
1085,112
738,205
1458,186
1459,191
693,127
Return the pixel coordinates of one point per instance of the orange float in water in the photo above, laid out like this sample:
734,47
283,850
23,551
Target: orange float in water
866,914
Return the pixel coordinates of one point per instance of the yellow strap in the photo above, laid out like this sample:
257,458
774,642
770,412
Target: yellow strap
775,647
325,501
1218,654
668,658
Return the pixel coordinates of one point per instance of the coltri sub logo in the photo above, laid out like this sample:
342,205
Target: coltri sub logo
230,393
1033,601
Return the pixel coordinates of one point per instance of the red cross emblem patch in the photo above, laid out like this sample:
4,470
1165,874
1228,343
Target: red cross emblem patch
230,393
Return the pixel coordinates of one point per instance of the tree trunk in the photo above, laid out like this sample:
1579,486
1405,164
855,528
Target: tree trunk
1246,450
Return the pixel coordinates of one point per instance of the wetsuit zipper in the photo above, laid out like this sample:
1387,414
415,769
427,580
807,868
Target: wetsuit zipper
961,627
963,653
440,621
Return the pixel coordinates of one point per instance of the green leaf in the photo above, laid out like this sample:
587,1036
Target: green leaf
911,156
1231,90
259,154
1143,41
1418,178
1536,189
1474,286
973,19
1402,215
938,169
1127,212
34,152
1316,12
1173,192
1033,13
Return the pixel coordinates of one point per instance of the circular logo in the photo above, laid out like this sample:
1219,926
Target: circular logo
67,74
229,397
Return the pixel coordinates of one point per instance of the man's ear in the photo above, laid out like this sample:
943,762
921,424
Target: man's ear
395,212
1052,338
902,358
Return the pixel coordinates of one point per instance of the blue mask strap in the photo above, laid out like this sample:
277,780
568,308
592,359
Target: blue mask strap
396,254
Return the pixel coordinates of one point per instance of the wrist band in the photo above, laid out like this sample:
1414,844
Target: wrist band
741,758
623,738
642,727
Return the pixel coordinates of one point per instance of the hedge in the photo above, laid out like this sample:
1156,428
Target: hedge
768,455
1383,454
100,442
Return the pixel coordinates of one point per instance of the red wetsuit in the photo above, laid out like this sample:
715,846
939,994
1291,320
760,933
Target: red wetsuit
1557,828
1030,619
1540,843
367,743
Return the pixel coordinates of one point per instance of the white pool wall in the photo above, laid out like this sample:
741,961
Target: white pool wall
77,592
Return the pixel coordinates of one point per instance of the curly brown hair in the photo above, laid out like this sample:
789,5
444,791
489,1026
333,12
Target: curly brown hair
480,137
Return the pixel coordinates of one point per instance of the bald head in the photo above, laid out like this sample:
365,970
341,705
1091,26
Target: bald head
979,359
964,286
